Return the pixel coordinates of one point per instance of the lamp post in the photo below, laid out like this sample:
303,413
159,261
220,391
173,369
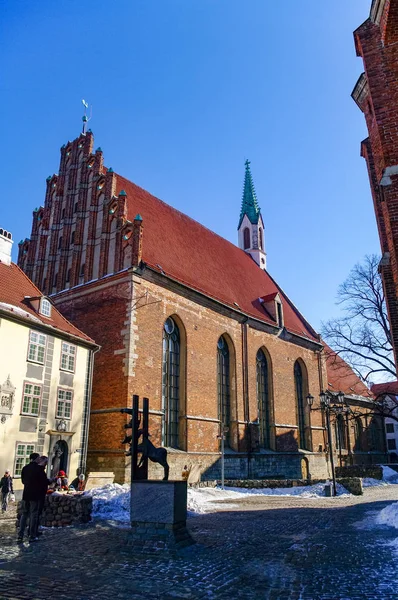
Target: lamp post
334,403
222,437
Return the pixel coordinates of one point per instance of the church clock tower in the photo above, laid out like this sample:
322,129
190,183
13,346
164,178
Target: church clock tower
251,226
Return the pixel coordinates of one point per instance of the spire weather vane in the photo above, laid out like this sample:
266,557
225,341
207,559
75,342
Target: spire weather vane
85,118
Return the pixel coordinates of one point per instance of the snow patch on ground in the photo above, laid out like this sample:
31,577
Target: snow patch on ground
112,501
203,500
389,515
389,477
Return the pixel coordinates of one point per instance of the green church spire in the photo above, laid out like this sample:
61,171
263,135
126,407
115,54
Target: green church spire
250,205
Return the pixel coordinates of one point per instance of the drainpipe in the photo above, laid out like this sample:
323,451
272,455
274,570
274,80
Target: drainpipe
83,458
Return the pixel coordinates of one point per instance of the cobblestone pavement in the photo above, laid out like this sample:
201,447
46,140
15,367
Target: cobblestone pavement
260,548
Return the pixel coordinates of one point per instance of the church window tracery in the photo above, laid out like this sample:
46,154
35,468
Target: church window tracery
304,436
223,384
171,383
263,399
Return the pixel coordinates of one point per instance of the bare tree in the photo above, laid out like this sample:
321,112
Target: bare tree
362,335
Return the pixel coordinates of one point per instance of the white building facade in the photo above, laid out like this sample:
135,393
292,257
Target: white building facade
45,378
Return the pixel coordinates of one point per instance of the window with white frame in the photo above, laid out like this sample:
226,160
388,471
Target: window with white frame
64,404
22,457
31,399
45,307
68,356
37,347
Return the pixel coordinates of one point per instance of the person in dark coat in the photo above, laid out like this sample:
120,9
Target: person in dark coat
42,461
34,480
6,489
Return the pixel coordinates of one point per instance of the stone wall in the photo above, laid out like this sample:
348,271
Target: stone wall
271,465
373,471
64,510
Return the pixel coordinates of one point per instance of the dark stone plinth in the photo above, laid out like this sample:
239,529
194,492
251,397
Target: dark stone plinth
159,501
158,516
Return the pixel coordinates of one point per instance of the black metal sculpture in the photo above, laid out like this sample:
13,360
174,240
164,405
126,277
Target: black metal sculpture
139,470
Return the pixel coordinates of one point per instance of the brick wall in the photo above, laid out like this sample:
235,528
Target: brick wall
376,94
125,314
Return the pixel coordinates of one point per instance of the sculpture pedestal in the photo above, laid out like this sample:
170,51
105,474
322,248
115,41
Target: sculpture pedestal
158,516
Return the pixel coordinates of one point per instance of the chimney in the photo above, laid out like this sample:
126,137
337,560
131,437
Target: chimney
5,246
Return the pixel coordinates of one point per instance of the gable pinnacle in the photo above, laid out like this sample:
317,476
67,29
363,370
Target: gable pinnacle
250,205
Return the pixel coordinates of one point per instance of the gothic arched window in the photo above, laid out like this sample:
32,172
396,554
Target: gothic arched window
304,436
376,431
358,435
341,433
263,399
246,238
224,395
171,383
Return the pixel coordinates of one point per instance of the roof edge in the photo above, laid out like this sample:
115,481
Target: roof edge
47,327
317,344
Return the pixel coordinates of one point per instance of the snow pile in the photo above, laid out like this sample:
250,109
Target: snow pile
202,500
111,502
389,515
389,477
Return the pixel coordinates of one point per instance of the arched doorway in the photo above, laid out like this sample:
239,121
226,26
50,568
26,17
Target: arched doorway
59,461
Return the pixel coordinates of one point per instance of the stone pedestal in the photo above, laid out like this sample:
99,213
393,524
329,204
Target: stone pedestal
158,516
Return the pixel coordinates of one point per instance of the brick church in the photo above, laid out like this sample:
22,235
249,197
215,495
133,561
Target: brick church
183,317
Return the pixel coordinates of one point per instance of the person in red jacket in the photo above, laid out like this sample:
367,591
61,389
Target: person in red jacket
61,482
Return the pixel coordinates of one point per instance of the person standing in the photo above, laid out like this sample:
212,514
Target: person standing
6,490
42,461
34,480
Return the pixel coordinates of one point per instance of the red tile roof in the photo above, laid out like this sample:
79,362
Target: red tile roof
14,287
188,252
341,377
390,387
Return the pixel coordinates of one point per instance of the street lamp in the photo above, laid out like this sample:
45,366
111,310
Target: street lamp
329,403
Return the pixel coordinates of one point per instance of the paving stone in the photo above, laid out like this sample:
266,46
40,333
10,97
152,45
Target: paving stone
266,548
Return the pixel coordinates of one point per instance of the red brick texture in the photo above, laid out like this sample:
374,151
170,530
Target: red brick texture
375,42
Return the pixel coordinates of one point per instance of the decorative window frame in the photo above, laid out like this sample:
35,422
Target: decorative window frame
34,360
45,302
68,353
68,391
26,456
30,414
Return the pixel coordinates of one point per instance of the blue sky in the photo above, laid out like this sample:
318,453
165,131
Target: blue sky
183,91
